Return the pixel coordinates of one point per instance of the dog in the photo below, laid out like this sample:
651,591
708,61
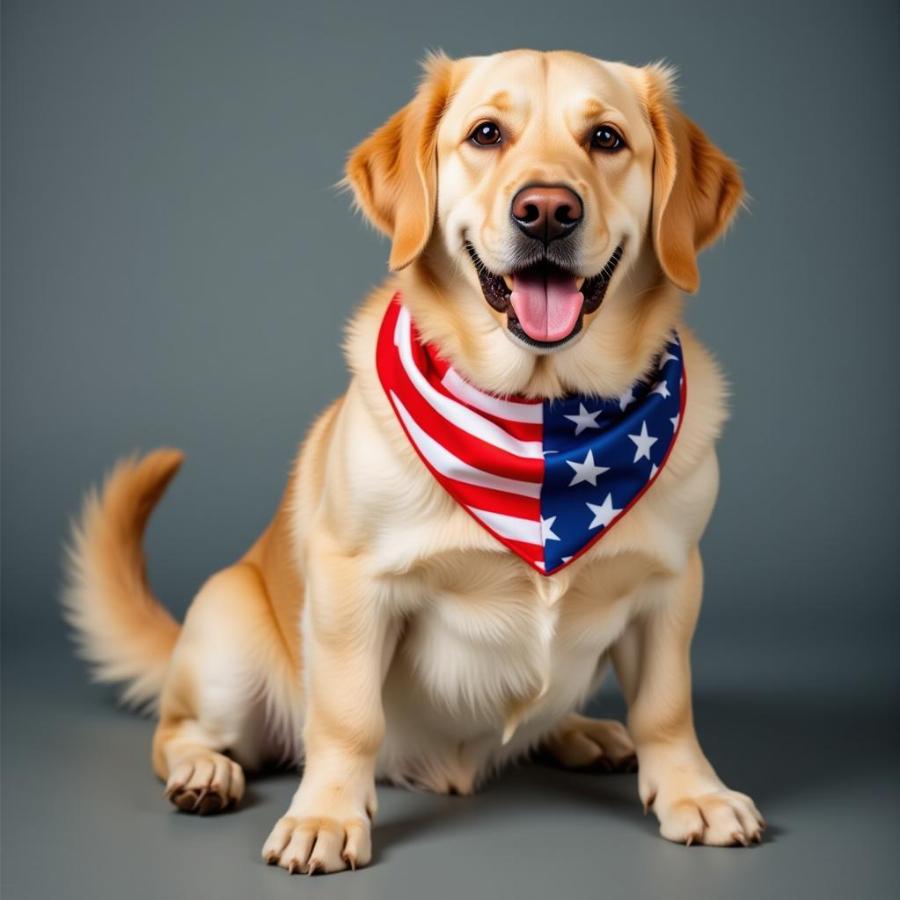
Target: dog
544,212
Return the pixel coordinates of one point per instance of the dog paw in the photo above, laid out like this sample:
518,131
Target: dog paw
311,845
206,784
580,743
722,818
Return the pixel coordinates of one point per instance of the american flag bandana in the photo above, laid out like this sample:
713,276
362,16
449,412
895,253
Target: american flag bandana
547,478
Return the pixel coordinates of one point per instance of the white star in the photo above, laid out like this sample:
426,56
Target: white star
674,421
547,533
653,470
667,358
603,514
661,388
642,442
584,419
586,471
626,399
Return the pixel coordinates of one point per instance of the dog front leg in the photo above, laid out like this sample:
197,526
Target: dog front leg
348,640
652,660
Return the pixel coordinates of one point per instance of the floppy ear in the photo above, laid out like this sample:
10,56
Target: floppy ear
393,173
696,188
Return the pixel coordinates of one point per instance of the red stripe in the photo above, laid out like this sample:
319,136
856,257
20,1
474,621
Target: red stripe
461,443
531,553
493,501
434,369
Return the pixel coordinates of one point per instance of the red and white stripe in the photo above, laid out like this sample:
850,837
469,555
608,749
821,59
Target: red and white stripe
486,451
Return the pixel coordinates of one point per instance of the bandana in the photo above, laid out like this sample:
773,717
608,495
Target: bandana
547,478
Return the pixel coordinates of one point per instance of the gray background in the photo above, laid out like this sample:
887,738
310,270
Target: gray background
177,269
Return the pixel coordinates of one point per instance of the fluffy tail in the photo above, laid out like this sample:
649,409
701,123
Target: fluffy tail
121,628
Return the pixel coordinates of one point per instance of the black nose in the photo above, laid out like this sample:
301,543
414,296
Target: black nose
547,212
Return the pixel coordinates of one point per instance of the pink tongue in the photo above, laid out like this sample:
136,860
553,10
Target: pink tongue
547,310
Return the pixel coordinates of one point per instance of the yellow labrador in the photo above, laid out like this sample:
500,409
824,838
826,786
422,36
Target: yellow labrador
545,212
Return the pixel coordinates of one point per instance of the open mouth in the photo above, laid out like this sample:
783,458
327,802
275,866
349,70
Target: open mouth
545,304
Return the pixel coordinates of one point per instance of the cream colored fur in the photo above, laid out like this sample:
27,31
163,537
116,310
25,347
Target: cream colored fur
374,629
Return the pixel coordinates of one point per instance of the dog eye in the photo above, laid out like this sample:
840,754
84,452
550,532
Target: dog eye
606,138
486,134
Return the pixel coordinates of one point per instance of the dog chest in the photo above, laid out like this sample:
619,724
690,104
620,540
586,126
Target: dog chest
497,646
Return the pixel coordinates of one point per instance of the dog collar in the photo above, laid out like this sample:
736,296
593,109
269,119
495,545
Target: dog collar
547,478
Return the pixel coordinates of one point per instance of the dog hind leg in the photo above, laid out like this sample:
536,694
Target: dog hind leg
580,742
230,696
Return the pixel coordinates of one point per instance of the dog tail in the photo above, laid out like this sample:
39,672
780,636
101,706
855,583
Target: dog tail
121,628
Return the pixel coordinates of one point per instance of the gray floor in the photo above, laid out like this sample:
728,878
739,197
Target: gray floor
84,818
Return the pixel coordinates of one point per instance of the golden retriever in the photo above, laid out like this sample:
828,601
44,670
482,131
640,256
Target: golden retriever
375,630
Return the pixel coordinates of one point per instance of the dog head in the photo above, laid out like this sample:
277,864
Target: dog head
534,197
